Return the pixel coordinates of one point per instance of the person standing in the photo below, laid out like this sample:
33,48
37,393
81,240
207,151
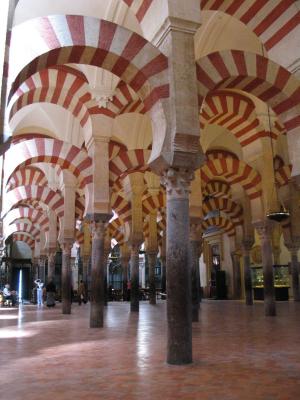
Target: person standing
39,291
81,293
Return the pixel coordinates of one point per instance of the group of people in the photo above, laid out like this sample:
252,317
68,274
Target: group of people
50,292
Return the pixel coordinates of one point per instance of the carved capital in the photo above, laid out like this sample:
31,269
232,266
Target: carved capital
247,244
264,229
293,245
135,248
177,182
98,230
66,246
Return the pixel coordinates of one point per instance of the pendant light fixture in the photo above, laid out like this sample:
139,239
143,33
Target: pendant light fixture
282,213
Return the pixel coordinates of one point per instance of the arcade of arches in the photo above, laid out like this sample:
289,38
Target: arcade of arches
164,131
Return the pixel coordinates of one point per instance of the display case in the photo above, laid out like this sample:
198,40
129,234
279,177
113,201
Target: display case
281,282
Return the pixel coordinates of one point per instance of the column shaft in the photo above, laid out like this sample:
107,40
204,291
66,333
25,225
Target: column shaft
247,277
97,275
51,266
163,274
295,274
152,288
194,249
179,318
236,276
66,277
134,277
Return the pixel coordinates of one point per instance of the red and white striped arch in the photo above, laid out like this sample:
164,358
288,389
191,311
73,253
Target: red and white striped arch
114,230
271,21
234,210
127,162
27,176
51,151
27,213
21,237
42,194
85,40
283,175
236,113
124,101
235,172
121,206
22,227
255,74
60,86
223,224
153,203
217,188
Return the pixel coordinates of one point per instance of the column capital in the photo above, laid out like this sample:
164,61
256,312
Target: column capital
195,229
98,229
247,244
264,229
135,247
66,246
293,245
177,182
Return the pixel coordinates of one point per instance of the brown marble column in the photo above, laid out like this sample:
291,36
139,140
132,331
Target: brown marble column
124,259
293,248
97,272
152,257
66,247
236,275
179,317
163,274
51,264
134,278
105,257
264,230
247,245
195,245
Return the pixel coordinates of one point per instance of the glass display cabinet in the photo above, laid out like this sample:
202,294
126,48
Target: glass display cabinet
281,281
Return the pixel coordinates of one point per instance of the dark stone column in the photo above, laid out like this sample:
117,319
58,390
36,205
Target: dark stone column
66,247
293,248
264,230
179,316
152,257
236,275
97,271
247,245
163,274
51,264
124,263
105,257
195,245
134,278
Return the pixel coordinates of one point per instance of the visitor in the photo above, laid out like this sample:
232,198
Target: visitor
8,295
50,293
39,291
81,293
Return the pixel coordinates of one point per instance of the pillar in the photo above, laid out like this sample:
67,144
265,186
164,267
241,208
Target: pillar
236,275
125,257
264,230
195,243
293,248
246,247
179,318
163,263
107,249
66,247
97,271
152,257
51,264
134,277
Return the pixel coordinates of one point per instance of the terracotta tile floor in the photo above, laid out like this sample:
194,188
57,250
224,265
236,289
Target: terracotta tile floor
238,354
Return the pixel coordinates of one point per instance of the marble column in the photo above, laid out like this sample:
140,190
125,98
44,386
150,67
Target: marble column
97,273
293,249
105,257
195,244
236,275
51,264
246,247
85,268
163,274
134,277
66,247
125,257
152,257
264,230
179,317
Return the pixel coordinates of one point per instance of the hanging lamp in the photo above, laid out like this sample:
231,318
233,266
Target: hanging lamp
282,213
